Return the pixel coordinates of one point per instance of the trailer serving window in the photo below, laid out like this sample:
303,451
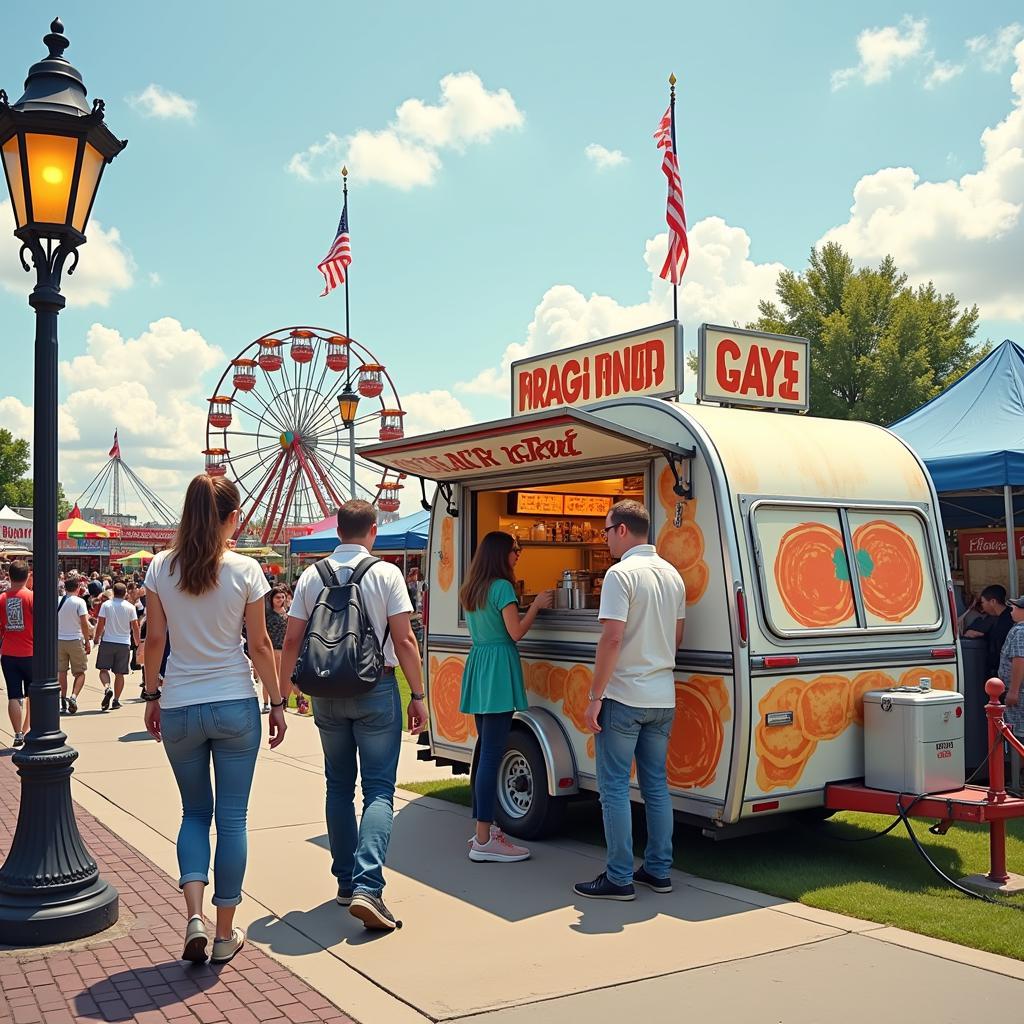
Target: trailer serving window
834,570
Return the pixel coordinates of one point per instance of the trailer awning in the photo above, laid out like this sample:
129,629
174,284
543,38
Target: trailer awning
557,437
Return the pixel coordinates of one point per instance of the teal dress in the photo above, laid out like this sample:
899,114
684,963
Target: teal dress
492,682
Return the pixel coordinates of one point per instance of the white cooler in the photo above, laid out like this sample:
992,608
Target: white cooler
914,740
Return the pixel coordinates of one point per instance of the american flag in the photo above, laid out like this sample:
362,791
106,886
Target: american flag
115,452
337,261
675,213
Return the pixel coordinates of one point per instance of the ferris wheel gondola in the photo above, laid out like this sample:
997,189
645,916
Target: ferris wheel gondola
275,427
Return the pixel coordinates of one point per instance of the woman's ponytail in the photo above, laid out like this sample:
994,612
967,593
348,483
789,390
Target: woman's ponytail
199,542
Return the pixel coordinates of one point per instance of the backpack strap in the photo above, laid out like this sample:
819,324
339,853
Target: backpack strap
357,577
325,572
60,603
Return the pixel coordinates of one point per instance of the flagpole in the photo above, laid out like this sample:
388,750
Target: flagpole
348,377
672,118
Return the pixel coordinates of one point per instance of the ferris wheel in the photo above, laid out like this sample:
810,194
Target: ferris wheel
284,423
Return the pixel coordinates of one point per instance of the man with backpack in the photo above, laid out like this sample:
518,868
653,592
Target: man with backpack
348,629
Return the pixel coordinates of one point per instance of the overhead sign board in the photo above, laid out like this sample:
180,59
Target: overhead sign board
568,437
647,362
767,371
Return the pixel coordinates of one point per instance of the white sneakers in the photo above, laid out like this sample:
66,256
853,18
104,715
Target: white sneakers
497,848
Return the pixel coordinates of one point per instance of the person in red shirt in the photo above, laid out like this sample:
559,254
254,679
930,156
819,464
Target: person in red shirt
16,631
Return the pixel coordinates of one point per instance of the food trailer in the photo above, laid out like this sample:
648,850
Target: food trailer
811,550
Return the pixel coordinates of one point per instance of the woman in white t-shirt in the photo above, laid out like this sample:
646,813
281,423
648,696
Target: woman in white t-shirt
201,591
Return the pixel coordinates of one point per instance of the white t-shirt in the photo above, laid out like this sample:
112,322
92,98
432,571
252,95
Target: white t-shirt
119,614
69,618
383,590
207,662
647,594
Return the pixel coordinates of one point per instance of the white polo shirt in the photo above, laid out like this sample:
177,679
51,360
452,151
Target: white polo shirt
69,617
647,594
383,590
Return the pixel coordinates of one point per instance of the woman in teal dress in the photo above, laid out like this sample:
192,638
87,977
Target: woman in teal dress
492,683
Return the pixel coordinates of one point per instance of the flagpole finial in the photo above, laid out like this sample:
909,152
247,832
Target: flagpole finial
344,171
672,80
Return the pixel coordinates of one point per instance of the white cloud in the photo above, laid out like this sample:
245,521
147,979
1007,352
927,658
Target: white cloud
151,389
428,411
405,154
996,51
603,158
967,235
942,72
104,266
882,50
722,285
155,101
16,417
154,278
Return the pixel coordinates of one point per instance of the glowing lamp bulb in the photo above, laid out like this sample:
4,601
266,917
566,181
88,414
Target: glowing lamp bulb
53,175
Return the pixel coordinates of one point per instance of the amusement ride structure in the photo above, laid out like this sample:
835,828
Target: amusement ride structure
286,435
117,481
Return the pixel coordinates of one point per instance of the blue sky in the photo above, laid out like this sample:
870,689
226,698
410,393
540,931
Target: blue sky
478,220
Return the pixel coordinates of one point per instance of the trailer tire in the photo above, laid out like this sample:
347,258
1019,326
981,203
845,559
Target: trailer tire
524,808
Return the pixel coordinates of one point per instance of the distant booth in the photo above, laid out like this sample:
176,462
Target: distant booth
971,439
402,542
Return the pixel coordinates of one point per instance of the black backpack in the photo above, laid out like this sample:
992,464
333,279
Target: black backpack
340,656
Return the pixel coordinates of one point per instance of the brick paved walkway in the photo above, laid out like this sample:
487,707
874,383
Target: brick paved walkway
135,975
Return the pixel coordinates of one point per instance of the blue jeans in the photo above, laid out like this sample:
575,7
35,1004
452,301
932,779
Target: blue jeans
628,732
229,731
370,726
493,731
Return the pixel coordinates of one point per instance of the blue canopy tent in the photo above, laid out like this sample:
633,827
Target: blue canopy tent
406,534
971,438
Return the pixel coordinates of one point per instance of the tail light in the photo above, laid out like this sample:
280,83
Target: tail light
741,615
425,611
952,605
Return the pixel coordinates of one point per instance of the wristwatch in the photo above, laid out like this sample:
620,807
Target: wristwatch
416,696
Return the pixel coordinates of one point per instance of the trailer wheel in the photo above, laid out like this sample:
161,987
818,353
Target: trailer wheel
524,807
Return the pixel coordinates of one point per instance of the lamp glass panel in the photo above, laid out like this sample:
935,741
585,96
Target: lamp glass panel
51,166
12,164
92,167
347,407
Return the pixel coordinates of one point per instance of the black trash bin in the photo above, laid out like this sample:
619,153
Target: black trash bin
975,655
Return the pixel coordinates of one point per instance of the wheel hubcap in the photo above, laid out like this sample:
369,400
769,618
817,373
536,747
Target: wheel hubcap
515,785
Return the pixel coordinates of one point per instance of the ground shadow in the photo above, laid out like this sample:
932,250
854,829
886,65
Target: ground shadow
134,737
125,994
428,844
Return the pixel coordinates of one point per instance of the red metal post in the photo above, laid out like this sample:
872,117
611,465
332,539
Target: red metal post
996,782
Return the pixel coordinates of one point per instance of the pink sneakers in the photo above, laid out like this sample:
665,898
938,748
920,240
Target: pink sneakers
497,848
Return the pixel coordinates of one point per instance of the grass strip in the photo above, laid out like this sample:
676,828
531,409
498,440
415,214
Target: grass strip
883,880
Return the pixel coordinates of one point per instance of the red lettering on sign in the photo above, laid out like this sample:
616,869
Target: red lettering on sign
791,377
525,391
728,379
765,373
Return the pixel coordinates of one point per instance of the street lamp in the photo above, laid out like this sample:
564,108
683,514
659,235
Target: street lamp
348,402
55,148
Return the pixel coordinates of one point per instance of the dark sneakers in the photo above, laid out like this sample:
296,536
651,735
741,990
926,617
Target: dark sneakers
373,912
344,897
108,696
601,889
644,877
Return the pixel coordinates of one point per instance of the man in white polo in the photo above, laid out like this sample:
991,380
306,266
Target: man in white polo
368,727
117,626
74,637
633,701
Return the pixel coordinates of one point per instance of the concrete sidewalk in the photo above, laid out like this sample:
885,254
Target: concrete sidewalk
512,943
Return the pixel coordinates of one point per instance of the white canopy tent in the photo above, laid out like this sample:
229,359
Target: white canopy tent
15,530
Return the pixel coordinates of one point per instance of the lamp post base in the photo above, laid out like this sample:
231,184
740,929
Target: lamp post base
57,917
50,887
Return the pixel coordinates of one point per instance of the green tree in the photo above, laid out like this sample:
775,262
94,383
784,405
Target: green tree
879,348
15,484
